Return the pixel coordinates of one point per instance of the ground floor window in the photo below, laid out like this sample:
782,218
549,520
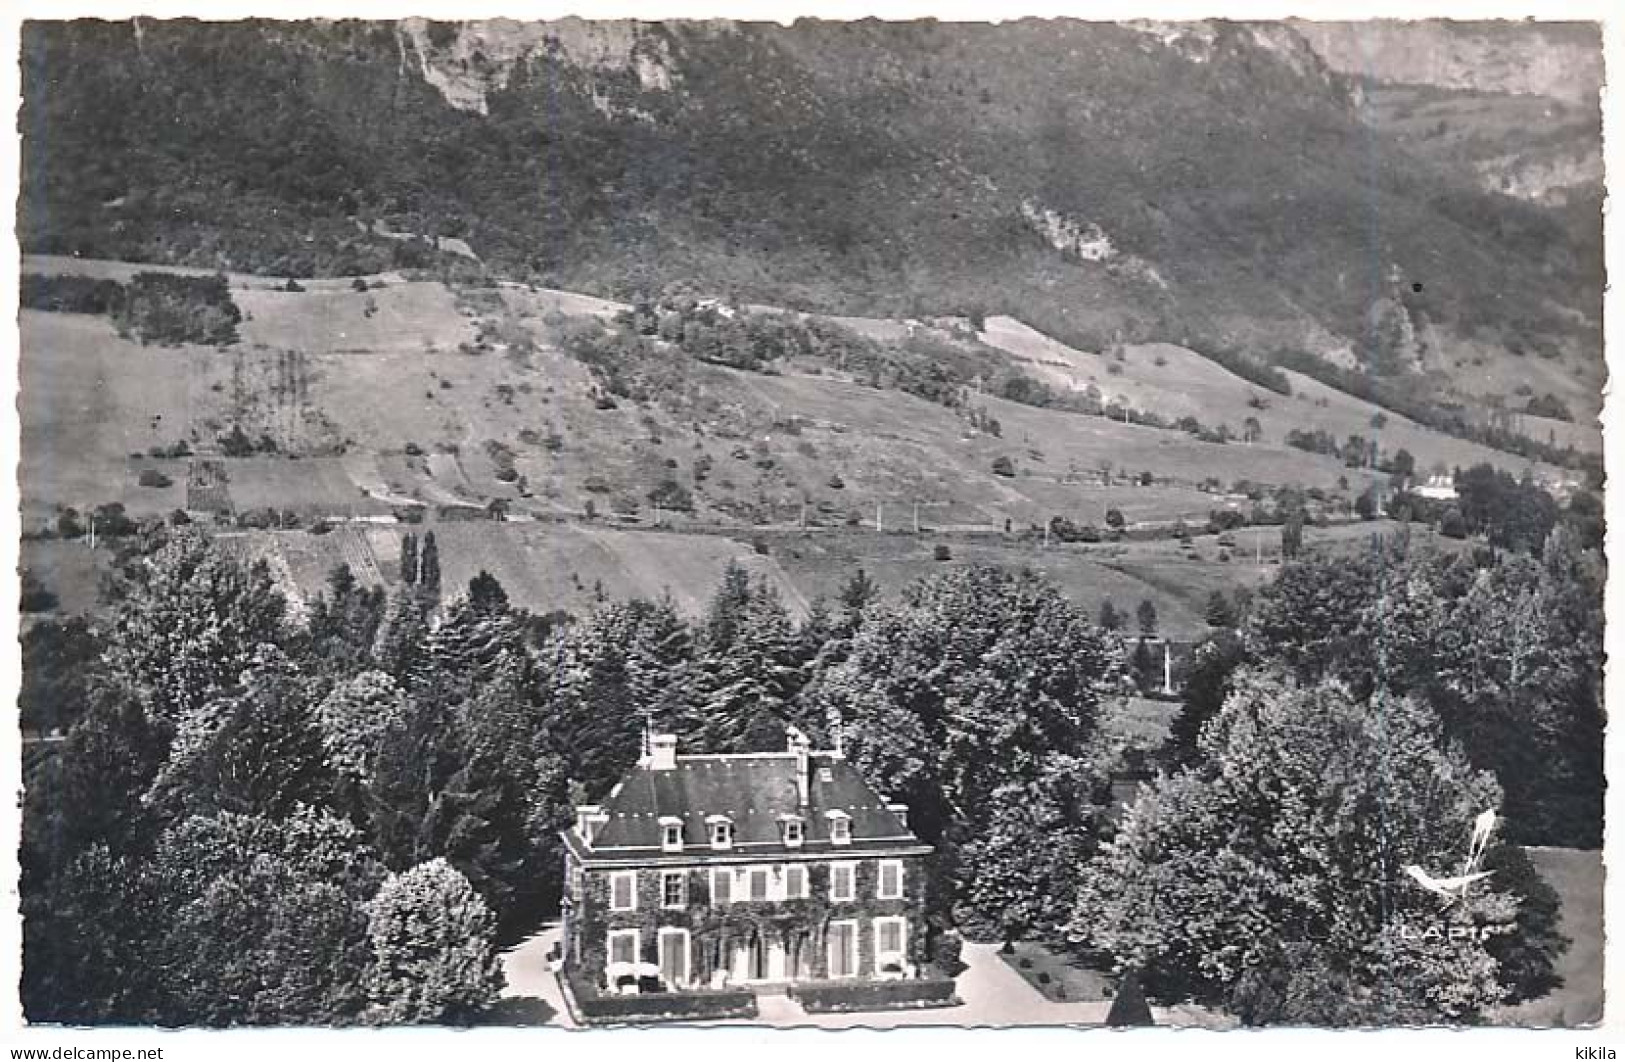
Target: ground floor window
891,934
843,949
623,945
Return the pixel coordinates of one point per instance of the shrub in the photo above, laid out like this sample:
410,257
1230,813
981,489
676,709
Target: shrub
358,284
151,477
69,294
836,996
36,597
946,948
1452,524
600,1009
166,309
670,494
1003,466
942,552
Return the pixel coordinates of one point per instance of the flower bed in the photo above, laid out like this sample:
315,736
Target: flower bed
1054,975
825,997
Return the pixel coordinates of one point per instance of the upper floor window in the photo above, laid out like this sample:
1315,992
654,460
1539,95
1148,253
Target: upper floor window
795,882
842,881
722,831
794,831
673,889
890,884
722,881
840,827
671,833
756,880
623,890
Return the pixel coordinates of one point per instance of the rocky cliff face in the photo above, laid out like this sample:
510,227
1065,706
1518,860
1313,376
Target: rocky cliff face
1561,60
466,61
1552,179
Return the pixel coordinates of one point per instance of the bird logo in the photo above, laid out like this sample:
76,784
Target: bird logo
1453,888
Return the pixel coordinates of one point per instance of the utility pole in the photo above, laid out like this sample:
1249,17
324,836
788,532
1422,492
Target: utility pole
1258,542
801,521
880,526
1046,534
916,516
92,530
1167,667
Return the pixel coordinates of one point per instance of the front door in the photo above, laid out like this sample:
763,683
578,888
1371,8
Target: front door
760,960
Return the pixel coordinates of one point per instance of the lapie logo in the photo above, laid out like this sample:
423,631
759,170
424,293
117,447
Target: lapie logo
1452,889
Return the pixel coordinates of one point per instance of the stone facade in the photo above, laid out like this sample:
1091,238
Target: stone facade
761,912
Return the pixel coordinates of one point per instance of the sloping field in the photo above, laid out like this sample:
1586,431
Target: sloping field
88,399
418,316
559,566
868,433
1342,414
1175,382
1587,438
311,486
539,302
821,562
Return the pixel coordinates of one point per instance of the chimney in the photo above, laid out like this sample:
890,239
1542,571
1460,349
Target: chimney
663,752
802,748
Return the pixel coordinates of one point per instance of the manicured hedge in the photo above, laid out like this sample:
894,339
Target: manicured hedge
662,1006
834,996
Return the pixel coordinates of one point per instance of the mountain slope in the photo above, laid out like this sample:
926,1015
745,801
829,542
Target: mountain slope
856,167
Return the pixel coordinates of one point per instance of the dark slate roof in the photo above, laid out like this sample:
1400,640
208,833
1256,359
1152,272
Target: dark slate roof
753,791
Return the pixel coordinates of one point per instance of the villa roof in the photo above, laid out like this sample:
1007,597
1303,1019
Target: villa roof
755,792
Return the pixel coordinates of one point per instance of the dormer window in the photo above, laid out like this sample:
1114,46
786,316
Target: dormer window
671,833
840,827
721,829
794,831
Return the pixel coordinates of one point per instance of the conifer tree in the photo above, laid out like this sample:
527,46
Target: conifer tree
429,569
1110,619
409,559
403,633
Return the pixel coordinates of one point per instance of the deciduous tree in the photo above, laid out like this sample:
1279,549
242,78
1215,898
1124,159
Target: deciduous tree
434,958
